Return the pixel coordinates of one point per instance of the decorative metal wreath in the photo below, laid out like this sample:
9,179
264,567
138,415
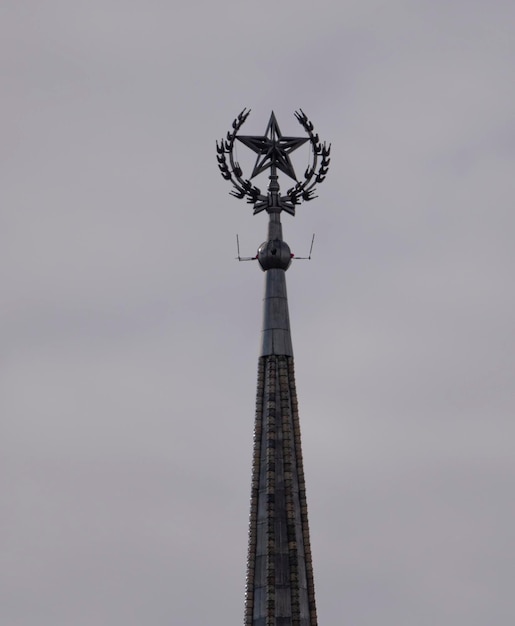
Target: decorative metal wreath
302,191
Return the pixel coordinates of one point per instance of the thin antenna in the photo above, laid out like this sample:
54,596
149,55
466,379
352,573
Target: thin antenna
307,258
243,258
311,248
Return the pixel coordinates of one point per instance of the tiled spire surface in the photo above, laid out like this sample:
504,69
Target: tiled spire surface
280,589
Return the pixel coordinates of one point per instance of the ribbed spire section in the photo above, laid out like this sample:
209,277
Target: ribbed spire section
280,589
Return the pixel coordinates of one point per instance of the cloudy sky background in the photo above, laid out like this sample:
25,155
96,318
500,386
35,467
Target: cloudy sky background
130,334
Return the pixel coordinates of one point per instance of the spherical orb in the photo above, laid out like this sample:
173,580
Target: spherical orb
274,254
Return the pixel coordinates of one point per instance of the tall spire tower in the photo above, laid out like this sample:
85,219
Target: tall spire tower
280,589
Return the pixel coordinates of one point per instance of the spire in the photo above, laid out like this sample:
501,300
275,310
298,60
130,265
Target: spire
280,589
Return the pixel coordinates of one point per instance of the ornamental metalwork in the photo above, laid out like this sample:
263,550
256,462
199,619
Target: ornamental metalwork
273,153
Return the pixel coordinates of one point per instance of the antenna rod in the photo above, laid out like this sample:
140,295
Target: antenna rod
311,249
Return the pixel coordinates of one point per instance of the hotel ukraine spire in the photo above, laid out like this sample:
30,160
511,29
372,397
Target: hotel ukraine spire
280,589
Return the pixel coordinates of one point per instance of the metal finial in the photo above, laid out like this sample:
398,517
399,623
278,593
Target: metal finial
273,150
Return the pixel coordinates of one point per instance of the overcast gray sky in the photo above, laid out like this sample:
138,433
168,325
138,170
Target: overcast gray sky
130,334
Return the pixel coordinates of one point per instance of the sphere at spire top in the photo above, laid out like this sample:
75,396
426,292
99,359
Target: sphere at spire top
274,254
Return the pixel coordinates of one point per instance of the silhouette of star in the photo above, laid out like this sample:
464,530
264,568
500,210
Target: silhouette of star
273,149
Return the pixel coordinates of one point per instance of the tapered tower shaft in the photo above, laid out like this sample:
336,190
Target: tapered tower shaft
280,589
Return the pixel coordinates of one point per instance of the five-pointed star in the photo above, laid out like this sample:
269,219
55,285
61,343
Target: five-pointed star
273,149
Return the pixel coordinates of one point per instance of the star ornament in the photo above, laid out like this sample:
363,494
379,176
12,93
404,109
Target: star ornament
273,149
